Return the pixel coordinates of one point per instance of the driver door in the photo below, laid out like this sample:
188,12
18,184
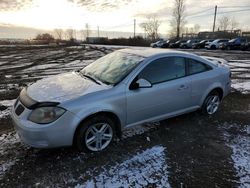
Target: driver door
170,91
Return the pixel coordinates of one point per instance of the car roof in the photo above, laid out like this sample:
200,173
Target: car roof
147,52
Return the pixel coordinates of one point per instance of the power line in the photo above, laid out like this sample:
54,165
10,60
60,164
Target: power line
234,11
242,10
234,6
200,12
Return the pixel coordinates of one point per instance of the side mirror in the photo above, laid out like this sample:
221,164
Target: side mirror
141,83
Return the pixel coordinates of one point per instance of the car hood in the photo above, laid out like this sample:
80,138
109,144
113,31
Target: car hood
63,87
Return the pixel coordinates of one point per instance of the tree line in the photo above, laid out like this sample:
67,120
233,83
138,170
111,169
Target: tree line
150,26
178,23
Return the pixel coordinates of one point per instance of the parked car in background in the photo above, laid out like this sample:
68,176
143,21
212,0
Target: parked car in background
246,46
201,44
177,44
167,43
89,107
158,44
215,44
234,44
189,43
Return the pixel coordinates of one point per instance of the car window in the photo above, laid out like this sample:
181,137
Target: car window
164,69
233,40
195,67
242,40
112,68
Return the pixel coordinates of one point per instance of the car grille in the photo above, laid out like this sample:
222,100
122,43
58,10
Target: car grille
19,110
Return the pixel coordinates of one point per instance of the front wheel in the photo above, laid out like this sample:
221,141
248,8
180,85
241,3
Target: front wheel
95,134
211,103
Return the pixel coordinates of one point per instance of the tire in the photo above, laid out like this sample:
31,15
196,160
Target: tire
211,103
95,134
213,47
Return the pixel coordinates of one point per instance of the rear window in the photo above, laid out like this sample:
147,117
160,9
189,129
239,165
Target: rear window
195,67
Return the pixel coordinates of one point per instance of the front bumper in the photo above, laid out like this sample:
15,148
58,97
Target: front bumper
56,134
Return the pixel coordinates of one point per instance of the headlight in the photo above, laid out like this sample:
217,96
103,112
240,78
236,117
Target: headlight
45,115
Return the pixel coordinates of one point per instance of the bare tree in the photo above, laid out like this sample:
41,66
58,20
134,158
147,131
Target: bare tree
45,37
224,23
58,33
197,28
70,34
151,27
178,22
234,24
86,31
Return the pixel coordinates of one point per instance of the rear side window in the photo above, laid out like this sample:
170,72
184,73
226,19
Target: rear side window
195,67
164,69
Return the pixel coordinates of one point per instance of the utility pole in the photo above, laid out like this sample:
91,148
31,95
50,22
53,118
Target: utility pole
134,26
98,31
215,13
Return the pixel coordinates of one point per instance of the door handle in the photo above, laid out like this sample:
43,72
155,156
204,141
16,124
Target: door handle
183,87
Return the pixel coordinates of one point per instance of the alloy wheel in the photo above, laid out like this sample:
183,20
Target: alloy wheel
213,104
98,136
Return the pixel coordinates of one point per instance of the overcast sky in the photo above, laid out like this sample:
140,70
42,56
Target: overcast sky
115,15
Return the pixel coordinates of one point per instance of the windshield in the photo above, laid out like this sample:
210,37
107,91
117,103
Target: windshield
233,40
112,68
188,41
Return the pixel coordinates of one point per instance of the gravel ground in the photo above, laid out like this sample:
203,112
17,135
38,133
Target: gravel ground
187,151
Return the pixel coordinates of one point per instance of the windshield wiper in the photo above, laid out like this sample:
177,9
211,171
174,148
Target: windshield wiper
89,77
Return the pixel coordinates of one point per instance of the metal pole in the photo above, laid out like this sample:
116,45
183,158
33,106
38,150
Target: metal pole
98,31
215,13
134,26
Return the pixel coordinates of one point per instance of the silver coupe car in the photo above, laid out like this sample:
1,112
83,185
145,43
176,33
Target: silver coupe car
89,107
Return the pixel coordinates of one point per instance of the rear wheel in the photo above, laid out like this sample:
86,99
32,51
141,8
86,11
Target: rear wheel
95,134
211,103
213,47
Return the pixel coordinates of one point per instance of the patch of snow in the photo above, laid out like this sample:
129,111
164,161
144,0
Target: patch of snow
5,167
54,52
5,113
8,56
93,53
243,87
243,60
15,66
12,86
3,62
145,168
239,69
7,143
139,129
8,76
6,103
240,145
244,75
79,63
41,66
242,65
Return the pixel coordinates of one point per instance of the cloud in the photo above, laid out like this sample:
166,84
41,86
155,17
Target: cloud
102,5
13,5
